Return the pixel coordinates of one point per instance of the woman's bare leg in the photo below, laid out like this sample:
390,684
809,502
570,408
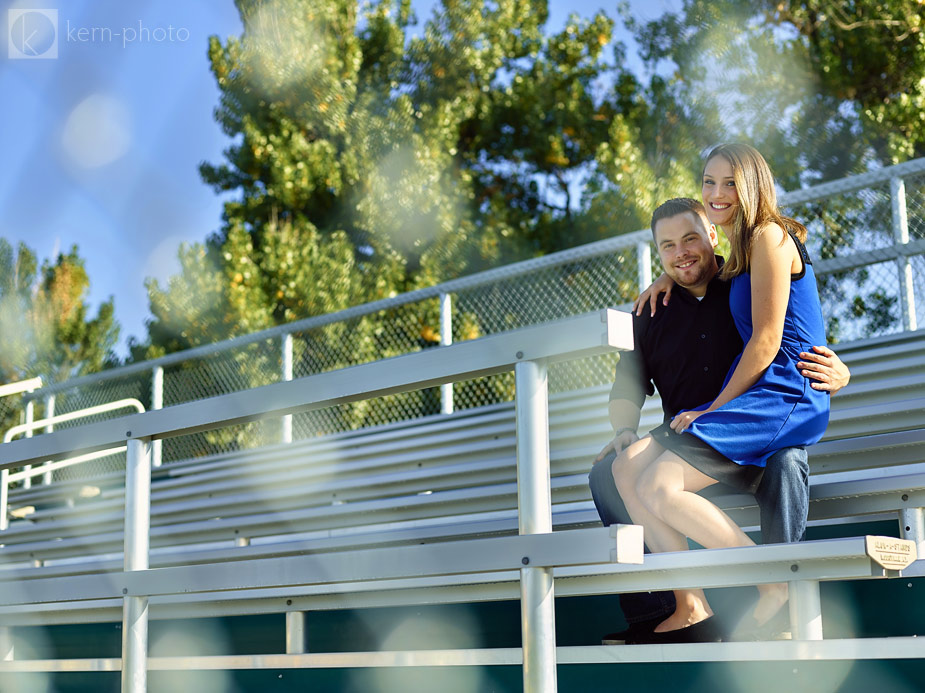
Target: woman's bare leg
692,606
668,487
628,466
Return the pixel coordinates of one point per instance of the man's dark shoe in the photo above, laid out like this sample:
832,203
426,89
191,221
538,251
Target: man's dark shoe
707,630
632,634
776,628
618,638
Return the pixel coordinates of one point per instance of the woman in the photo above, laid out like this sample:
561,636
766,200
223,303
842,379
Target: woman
765,404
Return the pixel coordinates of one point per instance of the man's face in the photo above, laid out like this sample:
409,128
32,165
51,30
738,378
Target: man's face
685,247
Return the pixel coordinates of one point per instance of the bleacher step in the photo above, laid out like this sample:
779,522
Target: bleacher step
852,649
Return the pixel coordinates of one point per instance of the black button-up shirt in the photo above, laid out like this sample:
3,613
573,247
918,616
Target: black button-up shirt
685,350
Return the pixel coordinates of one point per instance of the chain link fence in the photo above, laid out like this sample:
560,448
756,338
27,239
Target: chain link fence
392,331
915,206
87,395
866,240
866,237
240,367
545,294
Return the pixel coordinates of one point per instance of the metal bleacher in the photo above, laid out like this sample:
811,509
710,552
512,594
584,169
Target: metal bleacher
427,511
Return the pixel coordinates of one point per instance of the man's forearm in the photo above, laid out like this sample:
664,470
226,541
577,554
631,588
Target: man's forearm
624,415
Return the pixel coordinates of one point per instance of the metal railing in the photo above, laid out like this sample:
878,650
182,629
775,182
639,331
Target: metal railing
26,474
526,352
866,235
528,559
22,387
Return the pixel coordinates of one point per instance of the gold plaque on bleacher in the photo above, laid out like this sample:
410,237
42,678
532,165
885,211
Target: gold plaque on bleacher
891,553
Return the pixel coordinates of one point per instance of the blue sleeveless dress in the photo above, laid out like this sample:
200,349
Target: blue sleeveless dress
780,410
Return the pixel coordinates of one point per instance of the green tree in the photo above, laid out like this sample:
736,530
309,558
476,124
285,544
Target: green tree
338,176
383,161
870,56
823,89
48,330
366,161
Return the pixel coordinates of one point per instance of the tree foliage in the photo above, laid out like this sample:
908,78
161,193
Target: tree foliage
368,158
371,154
823,88
48,330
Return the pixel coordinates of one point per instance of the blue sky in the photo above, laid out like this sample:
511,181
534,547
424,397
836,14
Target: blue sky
100,146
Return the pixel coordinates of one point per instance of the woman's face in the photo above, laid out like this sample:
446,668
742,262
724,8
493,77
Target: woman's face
719,192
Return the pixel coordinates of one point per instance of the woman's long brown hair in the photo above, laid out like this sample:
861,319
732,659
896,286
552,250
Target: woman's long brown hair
757,204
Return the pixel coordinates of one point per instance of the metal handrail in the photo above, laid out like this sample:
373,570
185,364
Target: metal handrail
853,183
515,269
6,478
127,403
55,466
20,387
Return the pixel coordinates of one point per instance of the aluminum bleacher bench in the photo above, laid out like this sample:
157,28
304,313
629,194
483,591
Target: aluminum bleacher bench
475,448
479,446
870,406
525,351
446,479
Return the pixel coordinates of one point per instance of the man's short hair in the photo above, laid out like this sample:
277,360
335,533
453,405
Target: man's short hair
679,205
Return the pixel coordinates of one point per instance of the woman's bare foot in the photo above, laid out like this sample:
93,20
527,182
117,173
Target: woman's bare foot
772,599
678,621
690,609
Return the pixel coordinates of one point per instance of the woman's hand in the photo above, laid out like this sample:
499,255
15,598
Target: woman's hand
664,284
682,421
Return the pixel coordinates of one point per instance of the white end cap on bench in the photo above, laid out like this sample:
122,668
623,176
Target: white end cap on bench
629,544
619,333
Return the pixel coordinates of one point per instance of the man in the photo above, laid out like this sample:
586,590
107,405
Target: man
686,349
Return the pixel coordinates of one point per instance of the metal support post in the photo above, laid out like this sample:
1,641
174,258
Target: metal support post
286,424
137,538
903,264
644,261
30,417
534,503
49,412
295,632
912,526
6,644
5,481
805,610
157,402
4,499
446,338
